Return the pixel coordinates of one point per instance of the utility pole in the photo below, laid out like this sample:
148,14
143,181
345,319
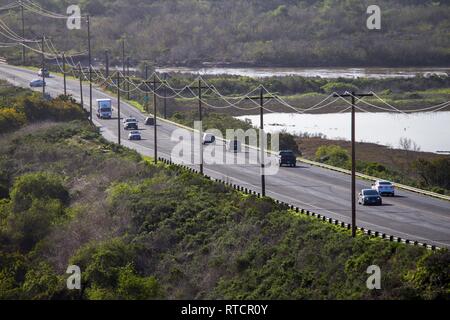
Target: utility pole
155,128
81,86
155,131
118,108
165,95
123,56
128,77
146,91
64,72
23,32
353,95
90,67
200,118
261,99
107,63
43,65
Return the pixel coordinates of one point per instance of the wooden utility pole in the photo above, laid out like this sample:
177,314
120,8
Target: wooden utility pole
81,86
90,67
146,91
261,99
118,109
107,64
200,118
64,73
23,32
353,95
165,95
123,56
43,65
155,128
155,131
128,77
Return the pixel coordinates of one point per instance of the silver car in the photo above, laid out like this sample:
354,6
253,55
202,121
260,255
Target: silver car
37,83
134,135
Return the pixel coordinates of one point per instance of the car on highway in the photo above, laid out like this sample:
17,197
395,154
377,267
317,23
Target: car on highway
131,126
369,197
43,73
149,121
208,138
287,157
129,119
134,135
384,187
37,83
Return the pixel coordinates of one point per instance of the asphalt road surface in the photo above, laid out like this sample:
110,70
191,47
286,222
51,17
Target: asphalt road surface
407,215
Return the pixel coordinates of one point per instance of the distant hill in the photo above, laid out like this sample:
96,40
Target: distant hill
265,33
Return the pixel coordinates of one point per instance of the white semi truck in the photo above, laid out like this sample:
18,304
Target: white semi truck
104,108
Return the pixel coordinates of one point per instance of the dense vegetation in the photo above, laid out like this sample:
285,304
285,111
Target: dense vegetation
270,32
21,106
144,231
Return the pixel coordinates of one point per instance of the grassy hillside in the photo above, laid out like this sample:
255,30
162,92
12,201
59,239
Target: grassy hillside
270,32
144,231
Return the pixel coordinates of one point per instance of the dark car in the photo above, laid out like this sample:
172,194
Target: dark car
369,197
131,126
287,157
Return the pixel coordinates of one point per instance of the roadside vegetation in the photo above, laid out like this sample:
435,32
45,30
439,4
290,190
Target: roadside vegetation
144,231
19,107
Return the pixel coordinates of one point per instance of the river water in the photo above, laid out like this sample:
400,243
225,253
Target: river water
430,131
374,73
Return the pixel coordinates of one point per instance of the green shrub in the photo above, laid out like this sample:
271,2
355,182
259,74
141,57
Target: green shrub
432,276
333,155
37,186
133,287
27,227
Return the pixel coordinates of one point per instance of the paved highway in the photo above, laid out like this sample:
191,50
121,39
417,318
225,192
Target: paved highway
408,215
